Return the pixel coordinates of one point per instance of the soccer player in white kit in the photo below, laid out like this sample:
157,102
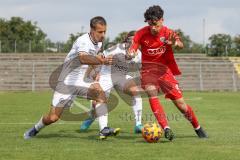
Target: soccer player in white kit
72,80
117,75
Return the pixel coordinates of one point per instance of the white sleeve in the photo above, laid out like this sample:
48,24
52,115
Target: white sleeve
81,45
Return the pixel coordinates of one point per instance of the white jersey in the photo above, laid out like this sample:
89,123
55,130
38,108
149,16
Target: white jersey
119,73
71,81
85,44
122,65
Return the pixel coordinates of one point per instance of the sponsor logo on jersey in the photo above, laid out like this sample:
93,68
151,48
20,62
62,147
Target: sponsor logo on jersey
121,68
158,51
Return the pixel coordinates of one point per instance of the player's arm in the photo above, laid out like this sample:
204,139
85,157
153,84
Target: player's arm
86,58
174,38
132,51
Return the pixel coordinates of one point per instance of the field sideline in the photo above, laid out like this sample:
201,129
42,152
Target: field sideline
218,113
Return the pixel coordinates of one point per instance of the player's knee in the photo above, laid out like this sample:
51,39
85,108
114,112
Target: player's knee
101,97
151,90
96,93
54,118
133,91
181,105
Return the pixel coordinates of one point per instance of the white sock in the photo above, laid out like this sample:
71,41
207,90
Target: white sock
102,114
40,124
166,127
137,109
198,127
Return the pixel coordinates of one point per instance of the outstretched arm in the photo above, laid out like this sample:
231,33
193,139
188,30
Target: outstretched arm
86,58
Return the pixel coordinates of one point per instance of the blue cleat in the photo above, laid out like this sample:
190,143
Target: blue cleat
30,133
138,128
86,124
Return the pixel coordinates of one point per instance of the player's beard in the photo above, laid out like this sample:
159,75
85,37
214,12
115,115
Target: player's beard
101,39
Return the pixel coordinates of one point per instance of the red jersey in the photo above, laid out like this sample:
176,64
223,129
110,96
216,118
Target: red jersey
154,48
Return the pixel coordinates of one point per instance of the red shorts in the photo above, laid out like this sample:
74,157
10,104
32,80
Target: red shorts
164,82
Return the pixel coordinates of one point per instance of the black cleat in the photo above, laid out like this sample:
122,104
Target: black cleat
201,133
107,131
168,133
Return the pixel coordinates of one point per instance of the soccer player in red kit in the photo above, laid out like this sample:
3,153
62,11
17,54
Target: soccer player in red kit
159,68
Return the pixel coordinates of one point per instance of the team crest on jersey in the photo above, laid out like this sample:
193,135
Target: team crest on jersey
162,39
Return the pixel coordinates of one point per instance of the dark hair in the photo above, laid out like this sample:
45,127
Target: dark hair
97,20
153,13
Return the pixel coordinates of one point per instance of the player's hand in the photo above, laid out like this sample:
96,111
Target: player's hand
130,55
178,44
108,60
170,39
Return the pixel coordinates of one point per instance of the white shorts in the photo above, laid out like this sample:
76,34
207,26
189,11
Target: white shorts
108,82
66,91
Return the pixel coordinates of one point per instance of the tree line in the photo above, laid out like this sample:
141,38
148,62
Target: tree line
18,35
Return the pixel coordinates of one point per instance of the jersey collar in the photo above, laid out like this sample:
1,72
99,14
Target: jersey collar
95,43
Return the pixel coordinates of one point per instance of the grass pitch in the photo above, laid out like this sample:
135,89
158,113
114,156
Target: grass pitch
218,113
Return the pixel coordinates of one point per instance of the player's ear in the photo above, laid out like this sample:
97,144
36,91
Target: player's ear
92,29
161,20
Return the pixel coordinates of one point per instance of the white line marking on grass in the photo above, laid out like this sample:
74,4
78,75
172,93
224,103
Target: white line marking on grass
194,99
79,105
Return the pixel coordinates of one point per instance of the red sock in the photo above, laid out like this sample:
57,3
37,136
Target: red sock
189,115
158,112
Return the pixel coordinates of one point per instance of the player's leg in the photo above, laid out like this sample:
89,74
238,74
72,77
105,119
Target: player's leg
58,103
190,116
106,85
101,111
131,88
87,122
173,92
157,109
151,84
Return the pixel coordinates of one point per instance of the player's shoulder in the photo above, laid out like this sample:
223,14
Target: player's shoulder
143,30
166,29
84,37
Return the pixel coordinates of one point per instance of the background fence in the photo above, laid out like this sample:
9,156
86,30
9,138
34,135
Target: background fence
30,46
199,73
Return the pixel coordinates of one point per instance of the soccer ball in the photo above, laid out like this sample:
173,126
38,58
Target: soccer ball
151,132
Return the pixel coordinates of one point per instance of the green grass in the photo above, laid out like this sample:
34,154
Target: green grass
219,113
